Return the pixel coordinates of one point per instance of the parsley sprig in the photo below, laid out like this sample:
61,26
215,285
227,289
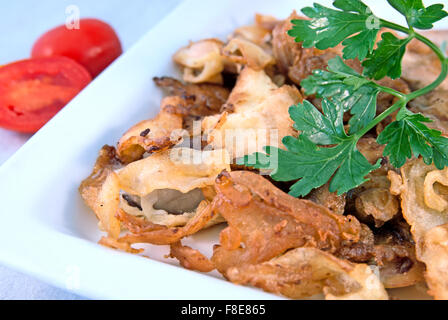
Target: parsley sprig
324,151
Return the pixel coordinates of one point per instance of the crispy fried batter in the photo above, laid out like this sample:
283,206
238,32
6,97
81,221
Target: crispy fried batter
270,221
115,244
362,250
398,265
254,33
201,61
420,64
427,225
154,135
245,53
180,169
170,207
259,118
101,191
372,201
294,61
395,256
190,258
435,254
304,272
330,200
203,99
378,203
421,67
142,231
434,105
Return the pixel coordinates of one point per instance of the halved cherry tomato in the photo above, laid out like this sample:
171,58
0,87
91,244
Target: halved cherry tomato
94,45
33,91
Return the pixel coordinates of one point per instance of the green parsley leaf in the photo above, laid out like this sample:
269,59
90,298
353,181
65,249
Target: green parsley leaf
386,58
408,136
346,88
329,27
320,129
312,164
417,15
361,45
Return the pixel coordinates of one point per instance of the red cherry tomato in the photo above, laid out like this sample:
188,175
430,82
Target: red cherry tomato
94,45
33,91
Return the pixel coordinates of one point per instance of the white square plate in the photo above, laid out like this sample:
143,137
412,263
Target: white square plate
46,229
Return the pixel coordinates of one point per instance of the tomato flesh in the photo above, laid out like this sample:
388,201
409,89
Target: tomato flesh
33,91
94,45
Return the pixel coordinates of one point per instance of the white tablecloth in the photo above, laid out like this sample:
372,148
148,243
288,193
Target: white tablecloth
23,22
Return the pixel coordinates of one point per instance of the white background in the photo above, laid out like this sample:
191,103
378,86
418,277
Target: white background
22,22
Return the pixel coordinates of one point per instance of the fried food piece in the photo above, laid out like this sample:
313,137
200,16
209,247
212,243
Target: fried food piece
269,222
372,201
370,149
303,272
153,135
101,191
330,200
195,101
115,244
259,115
417,213
245,53
203,99
435,255
255,34
259,33
266,22
169,207
201,61
420,64
362,250
435,199
143,231
427,224
294,61
433,105
181,169
392,250
378,203
398,265
190,258
395,256
421,67
169,185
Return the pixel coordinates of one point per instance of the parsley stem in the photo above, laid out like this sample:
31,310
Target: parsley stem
397,105
443,73
432,86
405,98
389,90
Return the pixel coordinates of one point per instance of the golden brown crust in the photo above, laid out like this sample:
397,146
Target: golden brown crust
330,200
153,135
259,115
115,244
428,226
304,272
202,99
190,258
142,231
201,61
270,221
296,62
101,191
246,53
